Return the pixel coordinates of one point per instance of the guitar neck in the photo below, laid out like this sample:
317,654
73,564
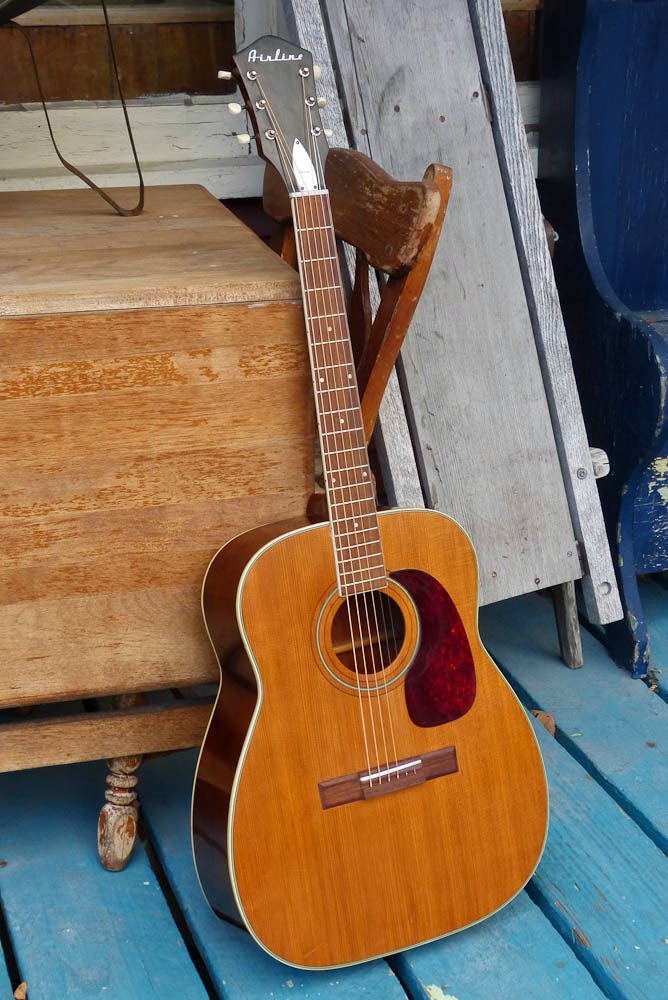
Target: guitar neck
360,565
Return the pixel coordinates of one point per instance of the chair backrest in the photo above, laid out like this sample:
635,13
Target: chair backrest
622,145
394,227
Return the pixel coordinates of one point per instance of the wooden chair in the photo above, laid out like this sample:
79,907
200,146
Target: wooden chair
393,227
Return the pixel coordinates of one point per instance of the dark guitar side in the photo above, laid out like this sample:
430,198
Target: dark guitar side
322,887
233,711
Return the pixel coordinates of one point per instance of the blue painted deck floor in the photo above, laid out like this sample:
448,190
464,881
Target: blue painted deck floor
593,922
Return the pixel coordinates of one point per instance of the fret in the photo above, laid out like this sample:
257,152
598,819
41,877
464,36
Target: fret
324,288
345,387
346,451
332,340
355,519
312,260
326,316
349,409
358,545
347,468
325,368
355,429
347,503
362,569
369,579
351,486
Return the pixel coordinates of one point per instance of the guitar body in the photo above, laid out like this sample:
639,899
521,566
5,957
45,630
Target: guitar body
328,868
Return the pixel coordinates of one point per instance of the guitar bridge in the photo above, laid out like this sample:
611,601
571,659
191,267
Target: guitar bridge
388,778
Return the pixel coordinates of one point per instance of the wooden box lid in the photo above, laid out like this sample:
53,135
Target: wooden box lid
67,251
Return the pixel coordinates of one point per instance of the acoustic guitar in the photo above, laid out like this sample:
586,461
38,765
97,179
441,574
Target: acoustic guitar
368,780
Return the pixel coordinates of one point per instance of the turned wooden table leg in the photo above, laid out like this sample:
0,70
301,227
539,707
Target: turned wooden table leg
117,822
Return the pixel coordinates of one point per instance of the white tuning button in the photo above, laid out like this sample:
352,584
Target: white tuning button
224,74
234,108
317,72
243,138
322,101
328,132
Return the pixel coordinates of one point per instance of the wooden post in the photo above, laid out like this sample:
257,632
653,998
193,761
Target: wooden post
117,823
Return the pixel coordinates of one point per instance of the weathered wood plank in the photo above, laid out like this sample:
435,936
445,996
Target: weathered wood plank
614,725
98,735
77,931
515,953
599,586
138,13
185,249
476,398
180,139
602,882
238,967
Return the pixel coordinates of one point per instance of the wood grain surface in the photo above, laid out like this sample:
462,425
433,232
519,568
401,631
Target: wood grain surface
598,581
135,441
65,251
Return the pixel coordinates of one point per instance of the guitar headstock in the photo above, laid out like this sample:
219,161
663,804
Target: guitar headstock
277,81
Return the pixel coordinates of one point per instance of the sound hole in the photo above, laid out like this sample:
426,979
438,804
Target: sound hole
368,632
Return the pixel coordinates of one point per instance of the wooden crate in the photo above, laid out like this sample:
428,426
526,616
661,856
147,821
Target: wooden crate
154,401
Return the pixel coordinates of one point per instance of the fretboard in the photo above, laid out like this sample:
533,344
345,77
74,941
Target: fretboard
360,565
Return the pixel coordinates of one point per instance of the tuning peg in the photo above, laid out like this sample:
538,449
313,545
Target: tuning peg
317,72
234,108
224,74
322,101
243,138
328,132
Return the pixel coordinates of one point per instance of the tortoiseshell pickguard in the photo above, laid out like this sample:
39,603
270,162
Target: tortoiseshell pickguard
440,685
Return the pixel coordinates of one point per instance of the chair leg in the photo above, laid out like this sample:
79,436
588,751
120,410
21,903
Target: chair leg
568,625
117,823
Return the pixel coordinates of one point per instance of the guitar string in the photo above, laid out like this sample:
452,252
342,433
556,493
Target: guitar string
317,163
374,603
315,256
366,596
317,238
351,390
283,149
285,158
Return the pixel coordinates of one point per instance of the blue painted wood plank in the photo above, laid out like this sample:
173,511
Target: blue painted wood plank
515,953
610,722
239,968
78,931
603,883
